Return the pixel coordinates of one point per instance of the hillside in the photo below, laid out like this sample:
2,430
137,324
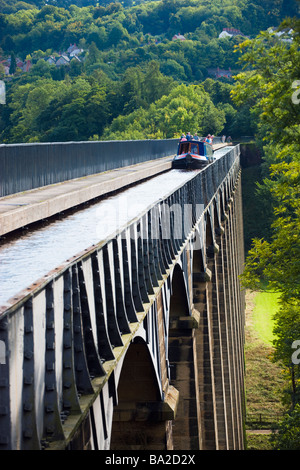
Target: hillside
83,65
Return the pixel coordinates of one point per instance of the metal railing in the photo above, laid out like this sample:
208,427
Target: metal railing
65,328
28,166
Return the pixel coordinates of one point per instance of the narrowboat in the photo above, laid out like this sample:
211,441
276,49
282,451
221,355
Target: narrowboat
193,154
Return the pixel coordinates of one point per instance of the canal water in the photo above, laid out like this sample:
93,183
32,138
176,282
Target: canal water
29,256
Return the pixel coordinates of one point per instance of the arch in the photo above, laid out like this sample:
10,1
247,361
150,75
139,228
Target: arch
222,205
217,221
181,350
198,264
209,239
138,369
179,305
138,421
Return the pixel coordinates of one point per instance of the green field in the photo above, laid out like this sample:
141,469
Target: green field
264,381
266,305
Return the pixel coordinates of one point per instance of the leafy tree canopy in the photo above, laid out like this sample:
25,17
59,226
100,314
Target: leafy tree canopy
269,85
185,108
129,52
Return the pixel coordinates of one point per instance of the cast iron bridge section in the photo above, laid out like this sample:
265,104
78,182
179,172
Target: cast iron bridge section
137,341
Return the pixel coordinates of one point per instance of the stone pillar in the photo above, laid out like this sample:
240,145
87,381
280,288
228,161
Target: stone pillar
201,281
184,376
226,339
217,341
220,337
232,261
144,425
141,418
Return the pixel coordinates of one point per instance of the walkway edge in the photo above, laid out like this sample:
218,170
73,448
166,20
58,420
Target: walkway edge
19,210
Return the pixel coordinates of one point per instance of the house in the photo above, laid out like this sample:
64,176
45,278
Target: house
50,60
220,73
178,36
27,66
62,60
75,57
74,50
283,35
5,65
229,32
19,63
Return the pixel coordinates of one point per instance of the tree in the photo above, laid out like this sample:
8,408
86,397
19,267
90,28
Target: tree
13,64
286,329
267,88
185,108
272,66
287,437
116,32
131,90
156,84
93,54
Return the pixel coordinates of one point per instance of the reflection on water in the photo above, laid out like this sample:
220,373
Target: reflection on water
31,256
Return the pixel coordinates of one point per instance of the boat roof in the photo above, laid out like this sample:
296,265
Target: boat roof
192,141
195,141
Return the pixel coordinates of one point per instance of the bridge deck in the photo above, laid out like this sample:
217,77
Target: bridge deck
21,209
158,305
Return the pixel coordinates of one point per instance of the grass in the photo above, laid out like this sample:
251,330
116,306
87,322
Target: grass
264,381
258,442
266,305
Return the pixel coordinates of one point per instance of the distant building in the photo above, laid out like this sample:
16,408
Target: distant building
74,50
75,57
27,66
178,36
220,73
62,60
19,63
229,32
50,60
2,92
6,65
284,35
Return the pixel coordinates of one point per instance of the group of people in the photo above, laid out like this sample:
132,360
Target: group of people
209,139
229,139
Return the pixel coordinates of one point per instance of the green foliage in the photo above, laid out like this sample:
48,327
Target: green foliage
277,260
131,49
185,108
288,435
287,333
29,24
266,86
49,110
